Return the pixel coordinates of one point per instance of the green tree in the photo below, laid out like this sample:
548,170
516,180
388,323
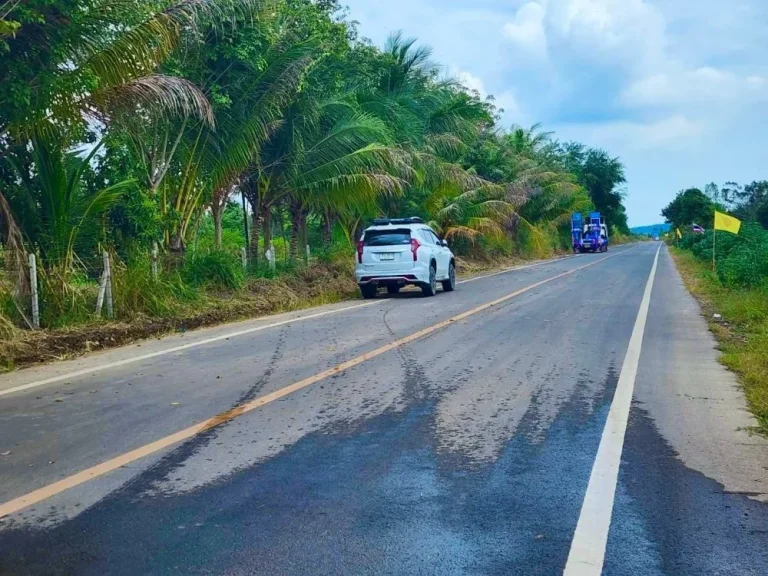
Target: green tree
57,209
602,176
752,202
69,66
690,206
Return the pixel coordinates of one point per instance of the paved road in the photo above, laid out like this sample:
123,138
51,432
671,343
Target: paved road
463,434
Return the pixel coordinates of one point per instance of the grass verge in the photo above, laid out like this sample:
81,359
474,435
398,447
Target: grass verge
314,285
742,331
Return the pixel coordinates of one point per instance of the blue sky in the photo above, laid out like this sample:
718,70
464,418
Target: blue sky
677,88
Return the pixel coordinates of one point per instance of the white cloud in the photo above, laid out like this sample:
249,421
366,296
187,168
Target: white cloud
600,30
610,29
471,82
685,88
527,29
506,100
513,111
625,137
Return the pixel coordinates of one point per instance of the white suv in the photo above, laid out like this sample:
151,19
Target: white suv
396,252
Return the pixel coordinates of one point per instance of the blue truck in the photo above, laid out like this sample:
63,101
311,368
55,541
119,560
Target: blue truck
590,235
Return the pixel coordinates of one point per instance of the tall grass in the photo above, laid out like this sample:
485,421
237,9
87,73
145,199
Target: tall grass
542,240
216,270
136,292
66,297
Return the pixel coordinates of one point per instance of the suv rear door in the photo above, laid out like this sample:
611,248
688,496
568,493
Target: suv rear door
387,249
442,254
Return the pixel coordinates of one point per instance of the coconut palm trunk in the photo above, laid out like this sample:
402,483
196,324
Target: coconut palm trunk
250,188
328,222
253,246
297,228
266,225
216,214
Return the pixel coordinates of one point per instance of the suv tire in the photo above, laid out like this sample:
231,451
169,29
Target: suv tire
449,285
368,291
430,289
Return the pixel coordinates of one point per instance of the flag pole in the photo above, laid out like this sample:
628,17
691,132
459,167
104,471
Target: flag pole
714,236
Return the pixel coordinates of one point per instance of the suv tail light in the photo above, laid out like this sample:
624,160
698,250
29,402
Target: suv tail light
360,252
415,245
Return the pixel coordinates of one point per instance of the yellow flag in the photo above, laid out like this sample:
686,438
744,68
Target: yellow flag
679,235
727,223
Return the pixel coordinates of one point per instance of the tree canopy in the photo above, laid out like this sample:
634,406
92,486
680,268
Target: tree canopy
133,125
690,206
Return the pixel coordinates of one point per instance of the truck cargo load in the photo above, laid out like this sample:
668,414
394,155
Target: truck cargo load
589,237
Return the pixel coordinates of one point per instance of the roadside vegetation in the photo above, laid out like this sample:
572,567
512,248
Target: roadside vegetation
737,289
221,151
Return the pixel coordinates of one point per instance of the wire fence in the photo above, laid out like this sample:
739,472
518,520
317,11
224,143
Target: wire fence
46,295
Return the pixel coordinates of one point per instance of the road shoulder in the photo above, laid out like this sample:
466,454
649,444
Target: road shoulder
696,404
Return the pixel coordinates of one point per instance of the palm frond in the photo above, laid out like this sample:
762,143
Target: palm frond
157,92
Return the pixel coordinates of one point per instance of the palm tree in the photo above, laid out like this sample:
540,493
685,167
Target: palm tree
328,157
529,142
71,64
57,210
202,163
470,215
432,120
68,69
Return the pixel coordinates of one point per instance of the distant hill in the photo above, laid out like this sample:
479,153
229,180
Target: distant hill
652,230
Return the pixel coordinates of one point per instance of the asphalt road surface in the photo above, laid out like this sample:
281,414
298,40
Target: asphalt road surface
568,416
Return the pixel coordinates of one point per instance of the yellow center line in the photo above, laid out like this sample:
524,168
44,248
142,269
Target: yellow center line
17,504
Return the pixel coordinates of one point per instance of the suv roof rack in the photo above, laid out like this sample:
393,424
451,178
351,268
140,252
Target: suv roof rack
396,221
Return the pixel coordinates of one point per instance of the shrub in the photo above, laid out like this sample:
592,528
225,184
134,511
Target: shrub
135,291
217,269
742,260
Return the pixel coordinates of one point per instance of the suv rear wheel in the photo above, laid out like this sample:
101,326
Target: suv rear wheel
430,289
449,285
368,291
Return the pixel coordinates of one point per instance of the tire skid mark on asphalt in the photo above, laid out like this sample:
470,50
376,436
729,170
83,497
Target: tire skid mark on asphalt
46,492
180,348
173,460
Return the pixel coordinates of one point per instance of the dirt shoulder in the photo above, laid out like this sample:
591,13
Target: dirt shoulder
738,318
313,286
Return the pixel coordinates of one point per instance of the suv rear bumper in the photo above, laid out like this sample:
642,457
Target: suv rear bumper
412,276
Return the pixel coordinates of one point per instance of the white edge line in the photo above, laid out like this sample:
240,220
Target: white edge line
587,552
118,363
173,349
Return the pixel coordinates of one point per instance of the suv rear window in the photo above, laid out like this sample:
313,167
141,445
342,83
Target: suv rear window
387,237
